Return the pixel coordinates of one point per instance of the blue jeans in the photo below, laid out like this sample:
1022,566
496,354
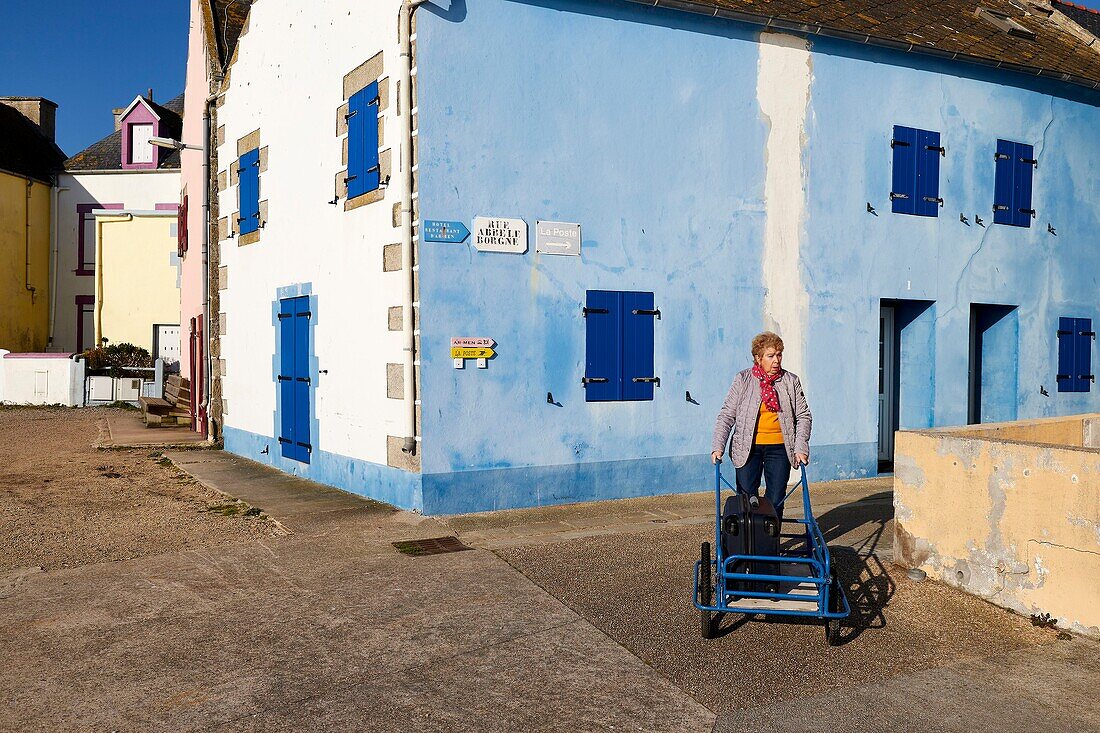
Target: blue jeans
773,463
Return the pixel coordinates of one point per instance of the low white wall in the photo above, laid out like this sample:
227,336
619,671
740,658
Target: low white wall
41,379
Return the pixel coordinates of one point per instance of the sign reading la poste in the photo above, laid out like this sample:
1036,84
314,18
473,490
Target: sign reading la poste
494,234
557,238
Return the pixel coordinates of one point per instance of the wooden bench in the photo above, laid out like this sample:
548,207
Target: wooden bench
173,409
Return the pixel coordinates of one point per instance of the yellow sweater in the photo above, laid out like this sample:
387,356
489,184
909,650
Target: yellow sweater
768,431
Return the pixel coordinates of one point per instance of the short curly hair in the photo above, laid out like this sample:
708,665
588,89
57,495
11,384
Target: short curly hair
763,341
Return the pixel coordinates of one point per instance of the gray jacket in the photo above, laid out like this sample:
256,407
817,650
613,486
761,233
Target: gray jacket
739,412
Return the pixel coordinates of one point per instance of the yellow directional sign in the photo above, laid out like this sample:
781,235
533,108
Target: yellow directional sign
472,353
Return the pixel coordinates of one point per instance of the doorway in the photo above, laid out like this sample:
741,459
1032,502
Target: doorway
906,371
887,387
166,346
993,373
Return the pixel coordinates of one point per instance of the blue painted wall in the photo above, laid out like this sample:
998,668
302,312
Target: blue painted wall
644,126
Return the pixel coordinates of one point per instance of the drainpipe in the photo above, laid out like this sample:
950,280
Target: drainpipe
407,322
208,375
27,241
56,191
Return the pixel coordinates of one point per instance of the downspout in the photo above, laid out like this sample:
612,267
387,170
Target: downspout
54,261
27,241
407,322
208,376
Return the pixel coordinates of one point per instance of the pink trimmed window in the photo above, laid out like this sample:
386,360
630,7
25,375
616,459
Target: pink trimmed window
85,236
140,124
85,322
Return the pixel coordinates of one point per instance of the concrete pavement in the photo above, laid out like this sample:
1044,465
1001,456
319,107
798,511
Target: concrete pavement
587,626
325,628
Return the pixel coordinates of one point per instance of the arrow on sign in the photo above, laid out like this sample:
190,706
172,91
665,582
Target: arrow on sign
476,353
445,231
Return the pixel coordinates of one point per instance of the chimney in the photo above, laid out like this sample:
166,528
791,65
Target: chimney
118,117
39,110
150,97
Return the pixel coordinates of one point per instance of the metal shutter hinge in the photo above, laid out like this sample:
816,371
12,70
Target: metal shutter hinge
585,381
648,380
640,312
938,148
586,311
895,196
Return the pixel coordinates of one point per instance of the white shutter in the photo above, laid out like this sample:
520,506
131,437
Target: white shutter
141,150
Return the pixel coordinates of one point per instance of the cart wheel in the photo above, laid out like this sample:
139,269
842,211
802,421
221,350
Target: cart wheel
832,625
705,591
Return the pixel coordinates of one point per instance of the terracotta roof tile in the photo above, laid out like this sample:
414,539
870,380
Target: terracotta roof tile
949,26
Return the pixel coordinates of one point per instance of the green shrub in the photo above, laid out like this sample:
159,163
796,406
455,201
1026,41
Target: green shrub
117,359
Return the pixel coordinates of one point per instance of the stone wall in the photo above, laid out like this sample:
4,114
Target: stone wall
1009,512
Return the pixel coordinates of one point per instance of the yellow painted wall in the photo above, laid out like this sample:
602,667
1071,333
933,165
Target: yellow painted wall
1016,523
24,317
137,277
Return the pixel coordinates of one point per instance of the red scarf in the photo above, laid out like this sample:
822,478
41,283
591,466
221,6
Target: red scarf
767,391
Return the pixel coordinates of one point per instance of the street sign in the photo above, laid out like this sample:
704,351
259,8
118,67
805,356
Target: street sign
459,352
445,231
473,342
494,234
557,238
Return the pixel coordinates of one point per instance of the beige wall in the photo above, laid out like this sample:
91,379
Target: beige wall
24,239
1016,521
137,276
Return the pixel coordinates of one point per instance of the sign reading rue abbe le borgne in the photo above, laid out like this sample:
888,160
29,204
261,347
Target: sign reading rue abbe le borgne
494,234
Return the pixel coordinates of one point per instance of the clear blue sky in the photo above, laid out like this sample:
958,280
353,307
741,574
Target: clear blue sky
90,56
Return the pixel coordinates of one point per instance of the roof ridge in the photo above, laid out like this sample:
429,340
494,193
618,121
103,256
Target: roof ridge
1087,9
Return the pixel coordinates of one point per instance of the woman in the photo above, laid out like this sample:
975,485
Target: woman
767,413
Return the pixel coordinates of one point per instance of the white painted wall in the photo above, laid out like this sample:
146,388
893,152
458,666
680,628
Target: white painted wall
42,380
135,190
783,91
292,97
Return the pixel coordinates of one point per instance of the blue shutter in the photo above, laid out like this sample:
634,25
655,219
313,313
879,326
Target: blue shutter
928,173
603,346
903,192
1067,344
248,186
1024,171
356,169
638,314
302,443
286,376
1082,354
371,163
363,166
1003,189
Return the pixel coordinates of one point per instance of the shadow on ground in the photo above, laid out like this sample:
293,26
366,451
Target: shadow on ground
637,588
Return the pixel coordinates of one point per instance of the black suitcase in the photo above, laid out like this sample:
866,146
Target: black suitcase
750,528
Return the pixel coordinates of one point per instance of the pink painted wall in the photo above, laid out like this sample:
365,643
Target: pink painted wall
196,90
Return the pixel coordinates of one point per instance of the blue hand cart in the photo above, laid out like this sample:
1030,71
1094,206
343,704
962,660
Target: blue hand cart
806,584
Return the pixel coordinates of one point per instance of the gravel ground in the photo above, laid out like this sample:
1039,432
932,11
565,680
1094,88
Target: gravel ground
637,589
63,503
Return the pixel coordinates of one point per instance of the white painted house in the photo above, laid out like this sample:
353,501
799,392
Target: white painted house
647,185
122,171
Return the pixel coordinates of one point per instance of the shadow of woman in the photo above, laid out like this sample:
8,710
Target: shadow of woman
862,574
